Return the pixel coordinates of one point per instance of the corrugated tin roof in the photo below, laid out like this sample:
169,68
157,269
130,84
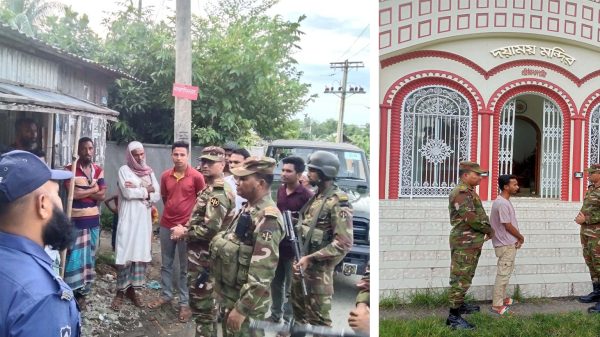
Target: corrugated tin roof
15,97
9,32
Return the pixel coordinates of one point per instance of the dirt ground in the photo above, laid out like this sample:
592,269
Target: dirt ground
99,320
528,307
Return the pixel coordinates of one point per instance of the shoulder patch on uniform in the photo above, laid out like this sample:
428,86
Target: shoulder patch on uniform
272,211
214,202
65,331
266,235
342,196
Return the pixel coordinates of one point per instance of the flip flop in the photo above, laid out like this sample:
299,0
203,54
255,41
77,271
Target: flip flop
500,312
185,313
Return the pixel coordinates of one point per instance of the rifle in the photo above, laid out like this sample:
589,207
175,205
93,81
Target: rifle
303,329
291,234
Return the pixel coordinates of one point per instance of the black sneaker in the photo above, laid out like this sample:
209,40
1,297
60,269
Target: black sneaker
466,308
457,322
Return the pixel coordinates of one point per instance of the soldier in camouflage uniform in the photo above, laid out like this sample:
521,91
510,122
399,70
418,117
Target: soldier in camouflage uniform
589,219
325,226
470,229
245,255
214,207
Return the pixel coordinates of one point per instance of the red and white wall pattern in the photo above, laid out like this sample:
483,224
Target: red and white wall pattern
485,119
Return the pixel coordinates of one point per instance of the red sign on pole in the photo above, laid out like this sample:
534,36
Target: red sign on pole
185,91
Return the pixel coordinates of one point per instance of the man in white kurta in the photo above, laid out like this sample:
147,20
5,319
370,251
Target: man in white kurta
138,189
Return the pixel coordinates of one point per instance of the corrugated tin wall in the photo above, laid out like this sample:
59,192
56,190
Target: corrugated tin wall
64,140
20,67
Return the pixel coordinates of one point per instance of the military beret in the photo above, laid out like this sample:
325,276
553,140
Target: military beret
213,153
251,165
593,168
471,166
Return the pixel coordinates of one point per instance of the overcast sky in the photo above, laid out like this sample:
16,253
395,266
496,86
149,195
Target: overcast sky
335,30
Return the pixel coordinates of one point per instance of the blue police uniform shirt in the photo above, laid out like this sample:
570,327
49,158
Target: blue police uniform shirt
34,301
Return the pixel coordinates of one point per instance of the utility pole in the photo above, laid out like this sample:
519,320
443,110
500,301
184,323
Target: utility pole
183,70
342,90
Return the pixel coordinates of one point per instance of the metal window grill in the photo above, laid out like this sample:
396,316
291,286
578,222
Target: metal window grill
594,147
436,128
552,133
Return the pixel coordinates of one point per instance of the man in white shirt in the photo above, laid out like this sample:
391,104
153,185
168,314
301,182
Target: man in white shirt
236,159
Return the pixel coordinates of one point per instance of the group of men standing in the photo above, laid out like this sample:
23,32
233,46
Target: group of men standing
471,227
226,231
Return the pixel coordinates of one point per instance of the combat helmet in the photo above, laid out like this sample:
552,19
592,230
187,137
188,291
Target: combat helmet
324,161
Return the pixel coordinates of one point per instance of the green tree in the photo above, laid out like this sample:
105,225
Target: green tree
71,32
27,15
247,76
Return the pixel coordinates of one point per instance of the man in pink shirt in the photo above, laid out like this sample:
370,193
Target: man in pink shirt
178,187
506,241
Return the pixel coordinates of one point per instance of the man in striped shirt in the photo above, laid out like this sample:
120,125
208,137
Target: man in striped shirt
89,192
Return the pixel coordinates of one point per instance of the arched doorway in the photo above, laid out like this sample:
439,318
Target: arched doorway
436,128
531,132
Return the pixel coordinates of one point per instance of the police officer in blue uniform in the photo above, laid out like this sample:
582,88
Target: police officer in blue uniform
34,301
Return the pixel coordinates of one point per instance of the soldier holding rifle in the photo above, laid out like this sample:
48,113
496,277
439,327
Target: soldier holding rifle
325,225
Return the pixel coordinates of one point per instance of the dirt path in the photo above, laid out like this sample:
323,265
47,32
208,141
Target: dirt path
100,320
529,307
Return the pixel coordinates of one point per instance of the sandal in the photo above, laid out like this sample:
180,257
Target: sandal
159,302
117,302
503,310
185,313
134,297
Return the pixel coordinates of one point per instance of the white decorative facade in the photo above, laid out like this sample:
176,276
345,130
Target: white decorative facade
511,84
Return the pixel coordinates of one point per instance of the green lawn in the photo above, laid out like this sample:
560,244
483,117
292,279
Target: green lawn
543,325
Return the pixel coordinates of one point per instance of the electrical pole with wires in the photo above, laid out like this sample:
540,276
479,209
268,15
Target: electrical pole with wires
183,70
342,90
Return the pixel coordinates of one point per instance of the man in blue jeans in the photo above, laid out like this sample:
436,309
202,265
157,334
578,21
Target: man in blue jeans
291,196
178,188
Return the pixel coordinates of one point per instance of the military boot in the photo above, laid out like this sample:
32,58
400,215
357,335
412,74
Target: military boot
594,296
467,308
594,309
456,322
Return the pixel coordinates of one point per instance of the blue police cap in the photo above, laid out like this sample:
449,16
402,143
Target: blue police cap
22,172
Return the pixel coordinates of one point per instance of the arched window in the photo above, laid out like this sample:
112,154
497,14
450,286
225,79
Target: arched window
594,147
436,128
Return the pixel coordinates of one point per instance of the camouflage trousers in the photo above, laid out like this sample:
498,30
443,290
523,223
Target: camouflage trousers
313,309
244,330
201,284
463,262
591,255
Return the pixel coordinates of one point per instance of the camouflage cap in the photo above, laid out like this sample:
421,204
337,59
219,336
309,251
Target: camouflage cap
213,153
593,168
251,165
471,166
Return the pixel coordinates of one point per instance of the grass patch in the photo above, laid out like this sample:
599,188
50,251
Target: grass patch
105,258
427,298
542,325
106,219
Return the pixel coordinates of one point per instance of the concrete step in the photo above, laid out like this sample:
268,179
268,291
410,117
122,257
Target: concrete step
547,285
401,253
421,269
